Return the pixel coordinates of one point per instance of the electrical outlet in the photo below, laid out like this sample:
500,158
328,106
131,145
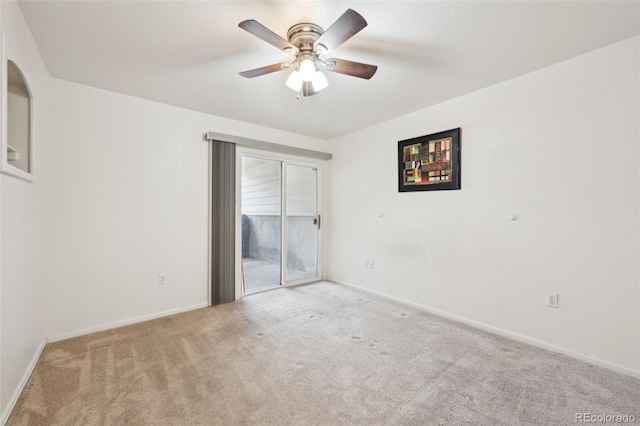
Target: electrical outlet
552,300
162,280
366,263
371,265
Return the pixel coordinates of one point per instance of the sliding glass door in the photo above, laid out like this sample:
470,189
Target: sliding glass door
280,222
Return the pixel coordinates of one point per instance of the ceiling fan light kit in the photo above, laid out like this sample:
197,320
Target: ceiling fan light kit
294,82
307,69
307,41
319,81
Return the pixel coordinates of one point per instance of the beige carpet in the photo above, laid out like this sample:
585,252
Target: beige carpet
320,354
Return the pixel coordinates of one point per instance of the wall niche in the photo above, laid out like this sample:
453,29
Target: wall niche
17,123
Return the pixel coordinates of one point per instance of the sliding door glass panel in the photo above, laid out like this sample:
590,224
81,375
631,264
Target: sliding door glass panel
261,223
301,222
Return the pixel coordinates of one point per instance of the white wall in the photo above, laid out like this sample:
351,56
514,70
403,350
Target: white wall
129,202
23,227
558,148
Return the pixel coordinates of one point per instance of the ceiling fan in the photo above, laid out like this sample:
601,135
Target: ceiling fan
307,42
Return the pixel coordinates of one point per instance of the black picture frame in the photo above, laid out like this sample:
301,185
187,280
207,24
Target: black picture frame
430,162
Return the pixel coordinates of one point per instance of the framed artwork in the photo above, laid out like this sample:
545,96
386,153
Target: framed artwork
429,163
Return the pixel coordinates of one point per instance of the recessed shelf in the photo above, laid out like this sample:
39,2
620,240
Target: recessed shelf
16,154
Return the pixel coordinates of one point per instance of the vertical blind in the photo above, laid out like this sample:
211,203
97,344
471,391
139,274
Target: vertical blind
223,241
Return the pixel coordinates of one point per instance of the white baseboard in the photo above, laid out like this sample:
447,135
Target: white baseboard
116,324
504,333
23,382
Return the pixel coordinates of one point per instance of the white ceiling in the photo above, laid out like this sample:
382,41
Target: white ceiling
189,54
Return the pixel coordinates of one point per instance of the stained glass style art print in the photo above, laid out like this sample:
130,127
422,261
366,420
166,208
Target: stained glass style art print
430,162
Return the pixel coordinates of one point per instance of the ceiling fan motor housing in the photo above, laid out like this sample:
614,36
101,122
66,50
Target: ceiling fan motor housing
302,36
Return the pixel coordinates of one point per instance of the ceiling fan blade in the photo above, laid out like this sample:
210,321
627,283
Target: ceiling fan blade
257,29
264,70
348,25
355,69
